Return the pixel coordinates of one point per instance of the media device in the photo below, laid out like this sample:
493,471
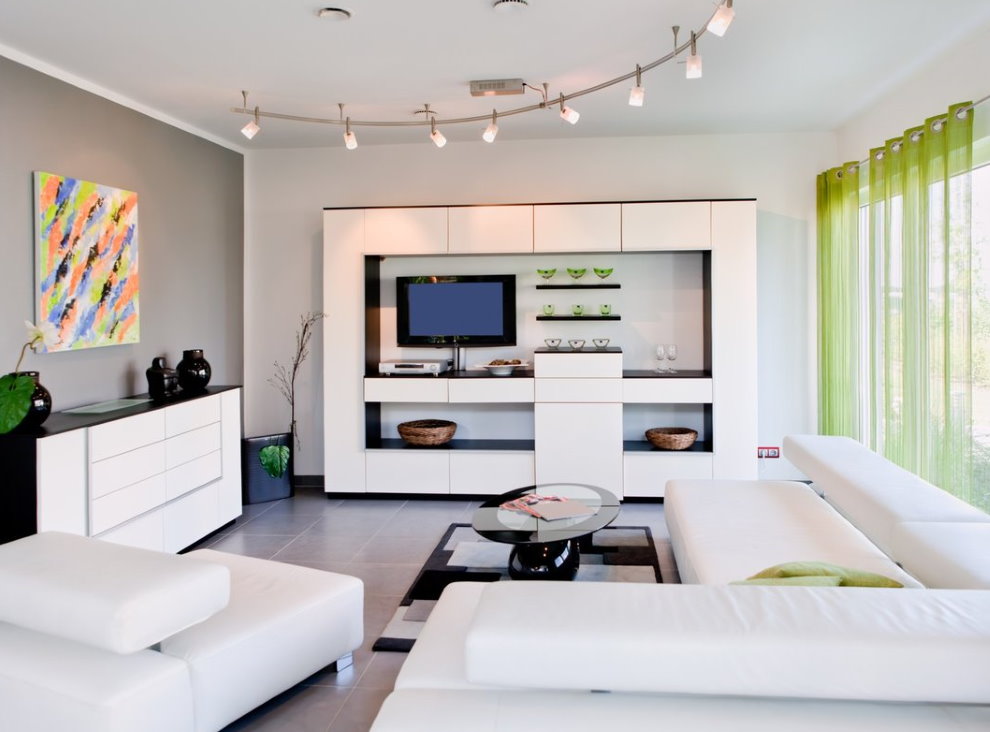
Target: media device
435,366
456,310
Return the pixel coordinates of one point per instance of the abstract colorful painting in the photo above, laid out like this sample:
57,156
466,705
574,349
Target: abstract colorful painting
86,261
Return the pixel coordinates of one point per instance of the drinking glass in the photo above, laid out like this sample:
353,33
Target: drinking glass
671,356
661,356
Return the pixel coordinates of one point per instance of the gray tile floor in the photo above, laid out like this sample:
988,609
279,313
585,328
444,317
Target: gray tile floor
382,541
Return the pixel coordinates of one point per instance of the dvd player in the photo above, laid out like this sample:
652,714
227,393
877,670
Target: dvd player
435,366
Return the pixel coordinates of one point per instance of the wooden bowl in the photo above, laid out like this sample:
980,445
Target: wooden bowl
672,438
427,432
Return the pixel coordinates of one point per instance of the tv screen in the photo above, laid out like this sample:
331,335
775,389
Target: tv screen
461,310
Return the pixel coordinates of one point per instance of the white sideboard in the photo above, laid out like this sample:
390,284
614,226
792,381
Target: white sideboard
155,476
578,411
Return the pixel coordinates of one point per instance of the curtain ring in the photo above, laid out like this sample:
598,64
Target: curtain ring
915,136
961,113
937,125
879,155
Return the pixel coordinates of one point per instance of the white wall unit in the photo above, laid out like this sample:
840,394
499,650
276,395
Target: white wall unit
490,473
124,480
673,225
579,443
645,474
490,229
408,471
578,227
405,230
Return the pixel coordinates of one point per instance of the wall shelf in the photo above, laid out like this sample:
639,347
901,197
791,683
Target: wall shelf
579,317
613,286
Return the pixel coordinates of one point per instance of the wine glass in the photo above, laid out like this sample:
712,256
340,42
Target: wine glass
661,355
671,356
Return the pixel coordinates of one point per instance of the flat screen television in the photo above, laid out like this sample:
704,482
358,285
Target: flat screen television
456,310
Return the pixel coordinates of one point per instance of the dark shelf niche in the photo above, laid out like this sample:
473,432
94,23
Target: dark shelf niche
395,443
579,317
644,446
615,286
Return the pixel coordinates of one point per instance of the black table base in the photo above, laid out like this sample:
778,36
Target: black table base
555,560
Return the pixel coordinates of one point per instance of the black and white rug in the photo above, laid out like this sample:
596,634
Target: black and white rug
617,554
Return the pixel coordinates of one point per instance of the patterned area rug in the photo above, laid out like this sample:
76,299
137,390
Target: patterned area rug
617,554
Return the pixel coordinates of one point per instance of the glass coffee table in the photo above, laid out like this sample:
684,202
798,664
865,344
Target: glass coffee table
545,549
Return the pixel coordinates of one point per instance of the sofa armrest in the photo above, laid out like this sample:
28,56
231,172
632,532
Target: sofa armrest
829,643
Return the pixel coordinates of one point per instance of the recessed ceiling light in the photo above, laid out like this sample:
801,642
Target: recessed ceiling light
509,6
334,13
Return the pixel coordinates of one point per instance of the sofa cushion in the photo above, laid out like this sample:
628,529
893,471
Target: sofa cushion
814,642
722,531
806,580
944,554
872,492
110,596
846,577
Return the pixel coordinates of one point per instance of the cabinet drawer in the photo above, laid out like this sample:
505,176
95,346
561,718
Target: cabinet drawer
579,390
645,474
190,518
576,365
480,473
123,435
126,503
191,445
407,471
190,415
144,532
491,390
116,472
667,391
398,389
190,476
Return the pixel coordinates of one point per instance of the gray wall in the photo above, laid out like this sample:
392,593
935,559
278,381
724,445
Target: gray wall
190,229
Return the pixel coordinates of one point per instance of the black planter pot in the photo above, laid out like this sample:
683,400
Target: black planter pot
41,404
257,486
193,370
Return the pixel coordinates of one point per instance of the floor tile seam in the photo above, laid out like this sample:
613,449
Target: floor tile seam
333,717
295,538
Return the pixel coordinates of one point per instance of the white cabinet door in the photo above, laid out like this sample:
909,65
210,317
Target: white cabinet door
668,225
405,231
407,471
580,443
490,473
645,474
490,229
61,485
578,227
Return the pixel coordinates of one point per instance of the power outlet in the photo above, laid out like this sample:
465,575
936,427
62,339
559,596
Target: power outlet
768,452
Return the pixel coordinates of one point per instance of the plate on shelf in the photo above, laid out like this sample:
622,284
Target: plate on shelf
503,369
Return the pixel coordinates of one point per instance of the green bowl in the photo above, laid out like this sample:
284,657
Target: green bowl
546,273
604,272
576,273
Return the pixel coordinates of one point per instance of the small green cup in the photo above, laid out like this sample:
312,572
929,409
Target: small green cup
605,309
577,309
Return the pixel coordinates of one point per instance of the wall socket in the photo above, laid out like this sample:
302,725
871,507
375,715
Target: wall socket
768,452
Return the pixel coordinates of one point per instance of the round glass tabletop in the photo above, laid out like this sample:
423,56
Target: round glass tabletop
515,527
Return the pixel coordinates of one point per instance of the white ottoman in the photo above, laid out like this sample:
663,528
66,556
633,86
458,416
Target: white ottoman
283,623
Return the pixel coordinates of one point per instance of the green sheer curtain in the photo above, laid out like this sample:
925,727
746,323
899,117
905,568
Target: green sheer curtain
895,299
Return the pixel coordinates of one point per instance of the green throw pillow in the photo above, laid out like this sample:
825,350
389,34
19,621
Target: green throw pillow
808,581
847,577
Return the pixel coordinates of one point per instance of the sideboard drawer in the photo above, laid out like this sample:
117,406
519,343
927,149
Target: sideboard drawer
144,532
122,435
579,390
399,389
187,416
497,389
667,391
116,472
191,445
117,507
190,476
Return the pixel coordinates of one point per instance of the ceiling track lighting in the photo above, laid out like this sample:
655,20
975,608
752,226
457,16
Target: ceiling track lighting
717,25
492,129
637,94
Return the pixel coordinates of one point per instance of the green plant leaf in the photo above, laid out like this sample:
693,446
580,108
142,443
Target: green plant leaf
274,459
15,400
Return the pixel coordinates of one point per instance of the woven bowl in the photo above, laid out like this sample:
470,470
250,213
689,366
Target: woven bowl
427,431
672,438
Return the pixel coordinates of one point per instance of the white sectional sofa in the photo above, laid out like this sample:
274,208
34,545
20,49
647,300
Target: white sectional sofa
97,637
717,656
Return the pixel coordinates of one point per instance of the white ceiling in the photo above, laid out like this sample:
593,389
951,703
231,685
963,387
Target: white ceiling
784,65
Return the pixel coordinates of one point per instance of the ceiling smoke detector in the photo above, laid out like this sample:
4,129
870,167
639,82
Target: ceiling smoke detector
334,13
496,87
509,6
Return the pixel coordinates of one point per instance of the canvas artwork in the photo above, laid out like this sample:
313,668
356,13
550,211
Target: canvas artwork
87,261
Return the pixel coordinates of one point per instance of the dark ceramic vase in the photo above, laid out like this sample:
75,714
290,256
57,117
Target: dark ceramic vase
41,403
163,382
194,370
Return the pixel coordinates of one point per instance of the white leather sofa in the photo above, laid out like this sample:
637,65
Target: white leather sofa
97,637
716,656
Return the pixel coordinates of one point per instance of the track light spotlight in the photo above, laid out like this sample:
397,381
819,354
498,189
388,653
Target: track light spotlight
568,114
637,94
492,129
720,22
350,139
436,135
252,128
694,60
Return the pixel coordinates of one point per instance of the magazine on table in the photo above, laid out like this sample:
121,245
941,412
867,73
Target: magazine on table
548,508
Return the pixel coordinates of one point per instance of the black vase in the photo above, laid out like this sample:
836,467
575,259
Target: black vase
41,403
194,370
163,382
